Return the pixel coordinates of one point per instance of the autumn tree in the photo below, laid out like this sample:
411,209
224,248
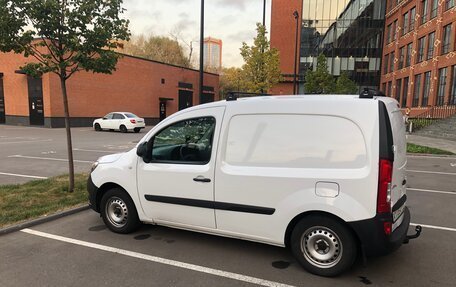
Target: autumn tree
319,81
231,80
157,48
63,37
261,69
344,85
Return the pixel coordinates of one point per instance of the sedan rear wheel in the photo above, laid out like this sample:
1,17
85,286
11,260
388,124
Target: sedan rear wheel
123,129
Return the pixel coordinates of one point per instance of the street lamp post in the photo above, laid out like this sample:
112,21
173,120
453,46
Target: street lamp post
201,72
264,13
296,16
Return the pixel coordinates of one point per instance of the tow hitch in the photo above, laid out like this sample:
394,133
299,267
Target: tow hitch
413,236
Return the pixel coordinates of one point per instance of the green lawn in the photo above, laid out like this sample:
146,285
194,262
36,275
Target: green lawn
40,197
413,148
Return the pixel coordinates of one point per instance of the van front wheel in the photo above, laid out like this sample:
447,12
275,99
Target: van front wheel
118,211
323,246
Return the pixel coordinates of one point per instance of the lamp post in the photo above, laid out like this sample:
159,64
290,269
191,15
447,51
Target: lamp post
201,72
264,13
296,16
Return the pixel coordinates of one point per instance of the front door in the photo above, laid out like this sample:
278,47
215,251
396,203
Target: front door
177,185
2,103
207,98
185,99
36,106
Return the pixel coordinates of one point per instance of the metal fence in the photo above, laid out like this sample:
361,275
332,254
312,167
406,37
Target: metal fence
430,116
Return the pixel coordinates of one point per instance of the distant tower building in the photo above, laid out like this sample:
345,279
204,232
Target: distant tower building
212,54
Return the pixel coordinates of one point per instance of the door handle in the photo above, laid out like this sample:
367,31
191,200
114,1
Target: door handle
202,179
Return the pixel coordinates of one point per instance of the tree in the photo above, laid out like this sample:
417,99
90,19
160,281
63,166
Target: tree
261,69
231,80
63,37
344,85
319,81
157,48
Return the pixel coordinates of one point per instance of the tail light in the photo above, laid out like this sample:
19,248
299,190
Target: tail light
384,186
133,121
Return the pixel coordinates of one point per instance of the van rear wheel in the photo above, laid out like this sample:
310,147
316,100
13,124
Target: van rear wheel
119,212
323,246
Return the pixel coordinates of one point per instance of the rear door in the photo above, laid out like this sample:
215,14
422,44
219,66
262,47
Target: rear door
398,183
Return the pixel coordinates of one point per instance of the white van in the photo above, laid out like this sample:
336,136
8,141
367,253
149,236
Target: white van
322,175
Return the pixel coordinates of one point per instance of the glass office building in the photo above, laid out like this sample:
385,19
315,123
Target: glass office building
349,33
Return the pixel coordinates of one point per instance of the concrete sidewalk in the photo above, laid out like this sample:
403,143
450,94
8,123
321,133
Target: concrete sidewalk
443,144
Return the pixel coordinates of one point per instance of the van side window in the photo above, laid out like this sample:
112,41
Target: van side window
295,141
185,142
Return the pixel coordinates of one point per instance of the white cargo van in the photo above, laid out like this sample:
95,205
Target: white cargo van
322,175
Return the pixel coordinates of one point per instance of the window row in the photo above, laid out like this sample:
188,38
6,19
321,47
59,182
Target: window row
422,88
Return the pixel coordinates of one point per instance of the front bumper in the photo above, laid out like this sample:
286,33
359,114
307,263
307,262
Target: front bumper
373,240
92,189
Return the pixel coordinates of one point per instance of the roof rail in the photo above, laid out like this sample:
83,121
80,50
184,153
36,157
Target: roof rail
369,93
231,97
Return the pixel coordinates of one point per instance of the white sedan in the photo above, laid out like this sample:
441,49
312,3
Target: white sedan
121,121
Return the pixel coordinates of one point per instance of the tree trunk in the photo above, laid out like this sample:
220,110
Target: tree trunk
68,134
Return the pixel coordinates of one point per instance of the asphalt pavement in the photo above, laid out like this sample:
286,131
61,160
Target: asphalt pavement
78,250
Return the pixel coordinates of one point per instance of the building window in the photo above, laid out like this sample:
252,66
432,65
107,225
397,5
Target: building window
393,29
426,89
420,54
390,86
408,59
412,19
388,34
416,93
391,62
434,8
424,11
452,100
446,46
431,40
401,58
405,94
384,88
405,21
442,86
449,4
385,64
398,90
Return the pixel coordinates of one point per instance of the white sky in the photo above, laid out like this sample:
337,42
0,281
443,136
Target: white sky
232,21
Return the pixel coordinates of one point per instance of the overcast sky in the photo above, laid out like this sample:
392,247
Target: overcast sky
232,21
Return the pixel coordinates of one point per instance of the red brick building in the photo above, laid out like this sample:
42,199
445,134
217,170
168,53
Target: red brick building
419,57
283,37
138,86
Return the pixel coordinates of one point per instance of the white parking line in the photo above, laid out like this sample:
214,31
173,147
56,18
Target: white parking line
94,150
174,263
434,227
23,175
18,142
432,191
431,172
48,158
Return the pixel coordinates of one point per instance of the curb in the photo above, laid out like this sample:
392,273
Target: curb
42,219
433,155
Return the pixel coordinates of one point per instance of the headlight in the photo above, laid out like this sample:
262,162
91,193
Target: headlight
94,166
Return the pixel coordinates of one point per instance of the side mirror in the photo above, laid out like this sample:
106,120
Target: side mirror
141,151
104,118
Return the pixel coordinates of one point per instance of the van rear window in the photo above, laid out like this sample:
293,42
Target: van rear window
295,141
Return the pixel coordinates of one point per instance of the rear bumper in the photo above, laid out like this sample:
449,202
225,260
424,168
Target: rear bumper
373,240
92,189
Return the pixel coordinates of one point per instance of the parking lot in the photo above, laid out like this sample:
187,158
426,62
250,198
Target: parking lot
78,250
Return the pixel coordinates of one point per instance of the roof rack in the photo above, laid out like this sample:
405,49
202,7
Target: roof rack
231,97
369,93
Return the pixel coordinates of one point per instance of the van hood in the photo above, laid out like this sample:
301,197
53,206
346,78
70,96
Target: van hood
110,158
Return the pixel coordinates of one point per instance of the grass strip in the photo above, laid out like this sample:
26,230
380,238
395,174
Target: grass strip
21,202
413,148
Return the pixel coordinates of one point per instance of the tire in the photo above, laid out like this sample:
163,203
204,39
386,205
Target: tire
123,129
97,127
136,130
119,212
323,245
